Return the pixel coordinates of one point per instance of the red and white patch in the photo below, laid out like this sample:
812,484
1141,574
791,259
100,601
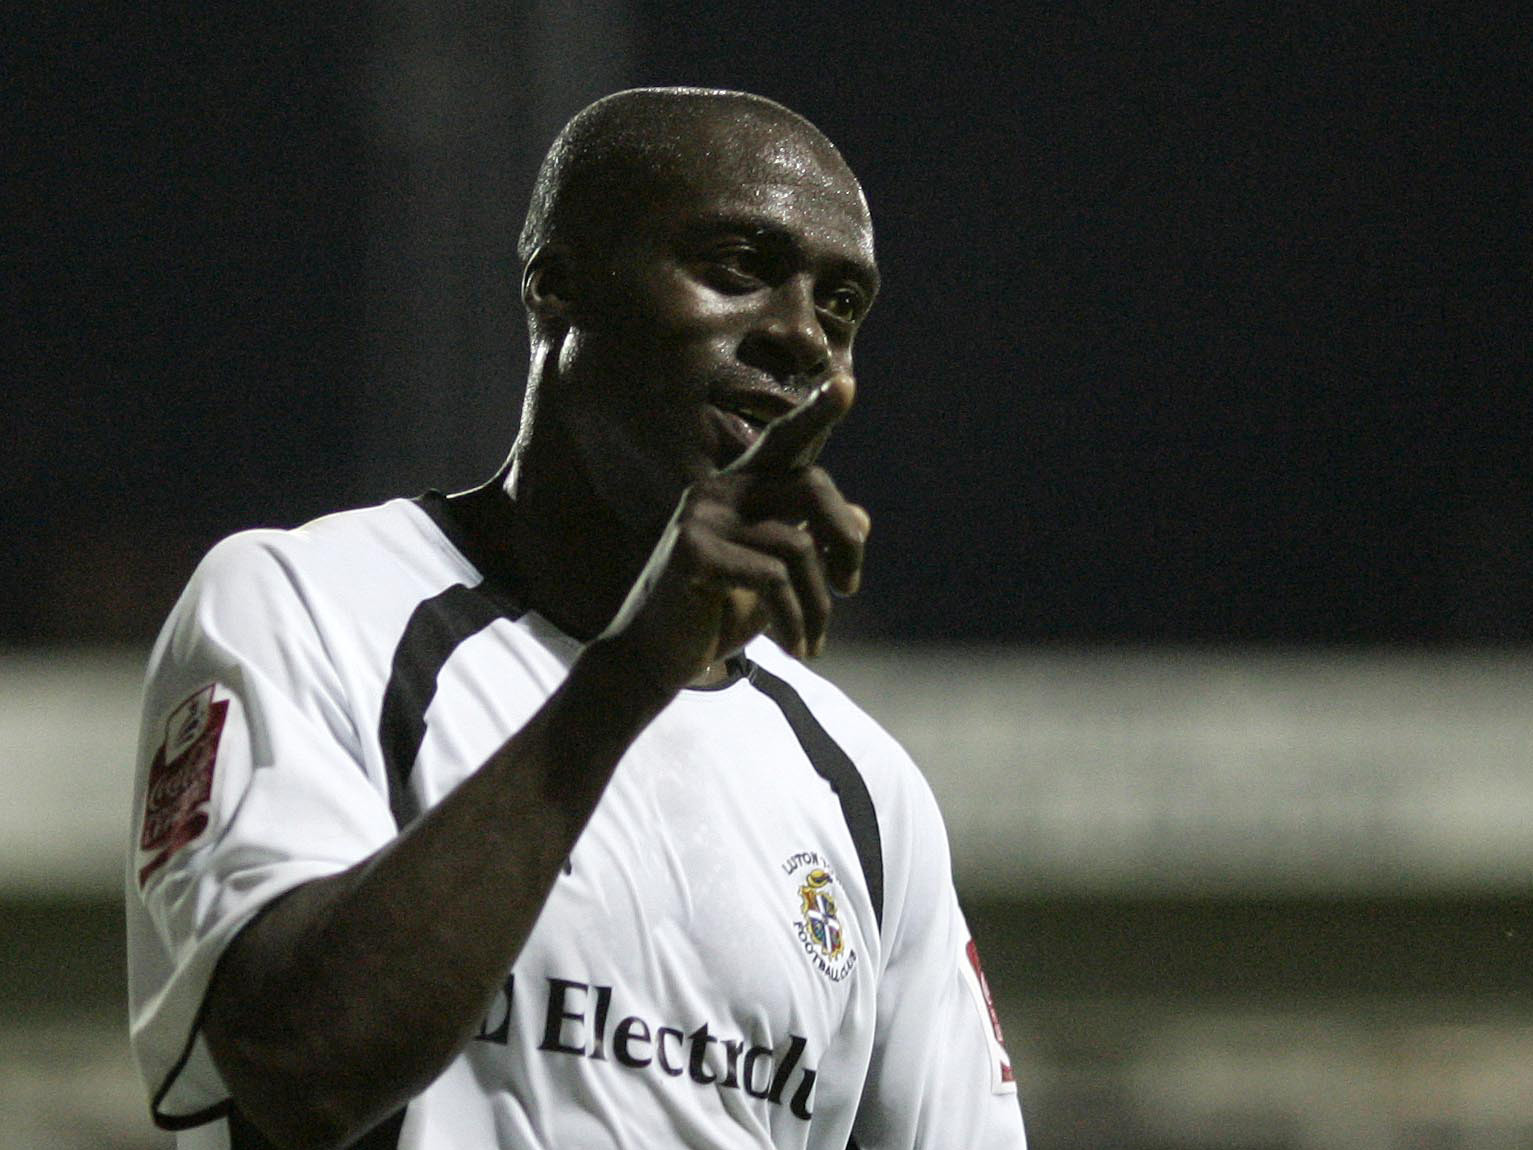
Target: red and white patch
181,780
1002,1080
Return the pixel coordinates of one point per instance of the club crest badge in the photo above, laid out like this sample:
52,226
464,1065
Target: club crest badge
821,923
818,906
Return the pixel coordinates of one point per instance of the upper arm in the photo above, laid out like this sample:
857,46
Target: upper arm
250,784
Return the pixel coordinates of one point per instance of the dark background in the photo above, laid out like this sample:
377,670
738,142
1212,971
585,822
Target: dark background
1202,323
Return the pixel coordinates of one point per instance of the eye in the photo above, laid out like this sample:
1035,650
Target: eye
844,305
738,264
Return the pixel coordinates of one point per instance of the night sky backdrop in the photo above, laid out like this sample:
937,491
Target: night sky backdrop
1201,323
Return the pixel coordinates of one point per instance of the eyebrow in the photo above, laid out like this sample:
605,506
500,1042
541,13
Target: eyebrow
863,273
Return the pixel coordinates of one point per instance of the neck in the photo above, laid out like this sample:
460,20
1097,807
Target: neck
569,557
573,569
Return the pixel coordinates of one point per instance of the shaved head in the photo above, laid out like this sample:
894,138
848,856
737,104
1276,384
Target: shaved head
622,154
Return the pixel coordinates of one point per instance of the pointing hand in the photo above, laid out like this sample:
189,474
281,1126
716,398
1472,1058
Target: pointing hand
759,546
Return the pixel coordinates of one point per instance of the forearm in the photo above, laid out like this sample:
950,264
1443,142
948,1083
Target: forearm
352,993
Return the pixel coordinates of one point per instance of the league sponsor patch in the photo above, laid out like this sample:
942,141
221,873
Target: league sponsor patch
1002,1079
181,780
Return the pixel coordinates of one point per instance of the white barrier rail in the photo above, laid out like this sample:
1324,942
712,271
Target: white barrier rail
1151,772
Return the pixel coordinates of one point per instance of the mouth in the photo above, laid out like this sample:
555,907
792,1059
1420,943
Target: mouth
734,433
744,413
755,408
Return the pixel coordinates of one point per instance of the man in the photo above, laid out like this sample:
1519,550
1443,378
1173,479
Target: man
511,818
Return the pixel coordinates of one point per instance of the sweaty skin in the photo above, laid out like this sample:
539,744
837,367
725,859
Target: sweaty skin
349,995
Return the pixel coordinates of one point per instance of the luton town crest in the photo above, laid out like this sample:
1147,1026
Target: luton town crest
822,924
819,911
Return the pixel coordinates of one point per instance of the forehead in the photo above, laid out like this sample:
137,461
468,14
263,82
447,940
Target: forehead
728,175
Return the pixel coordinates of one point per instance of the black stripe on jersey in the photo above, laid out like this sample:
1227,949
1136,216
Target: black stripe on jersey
384,1136
436,628
837,769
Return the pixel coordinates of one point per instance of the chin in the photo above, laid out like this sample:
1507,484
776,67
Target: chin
642,509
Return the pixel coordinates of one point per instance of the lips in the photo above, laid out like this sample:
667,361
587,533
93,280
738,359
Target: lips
734,433
742,413
742,407
755,407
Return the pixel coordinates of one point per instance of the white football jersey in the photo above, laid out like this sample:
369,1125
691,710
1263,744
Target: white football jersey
755,943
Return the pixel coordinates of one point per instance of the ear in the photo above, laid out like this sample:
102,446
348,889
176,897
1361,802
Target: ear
548,283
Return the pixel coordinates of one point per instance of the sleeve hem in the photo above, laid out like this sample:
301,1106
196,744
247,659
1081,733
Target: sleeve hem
210,1112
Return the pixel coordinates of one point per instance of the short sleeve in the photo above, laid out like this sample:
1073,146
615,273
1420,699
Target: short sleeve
250,782
939,1075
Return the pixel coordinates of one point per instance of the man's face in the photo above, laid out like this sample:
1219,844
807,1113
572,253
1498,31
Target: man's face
722,303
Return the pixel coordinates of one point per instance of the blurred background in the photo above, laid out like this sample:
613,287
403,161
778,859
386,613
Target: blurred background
1193,419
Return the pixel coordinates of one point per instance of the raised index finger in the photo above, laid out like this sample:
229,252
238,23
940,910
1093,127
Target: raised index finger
792,440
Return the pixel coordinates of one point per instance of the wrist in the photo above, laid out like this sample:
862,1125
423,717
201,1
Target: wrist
610,676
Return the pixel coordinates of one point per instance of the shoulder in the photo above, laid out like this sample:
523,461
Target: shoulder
267,587
340,551
341,537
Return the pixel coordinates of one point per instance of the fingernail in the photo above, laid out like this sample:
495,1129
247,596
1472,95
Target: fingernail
864,519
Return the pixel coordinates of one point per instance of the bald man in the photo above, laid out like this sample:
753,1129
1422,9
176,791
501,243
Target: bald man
514,818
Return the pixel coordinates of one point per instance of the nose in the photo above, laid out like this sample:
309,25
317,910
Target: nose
787,338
